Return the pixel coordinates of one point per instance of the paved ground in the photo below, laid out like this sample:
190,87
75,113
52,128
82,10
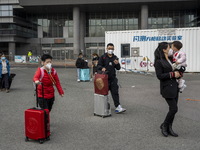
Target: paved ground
74,127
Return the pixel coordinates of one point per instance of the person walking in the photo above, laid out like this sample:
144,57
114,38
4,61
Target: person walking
168,85
48,77
4,73
109,62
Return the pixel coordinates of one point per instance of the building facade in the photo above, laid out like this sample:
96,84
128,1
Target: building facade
64,28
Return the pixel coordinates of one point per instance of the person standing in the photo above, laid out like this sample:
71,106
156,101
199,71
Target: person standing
4,73
109,62
80,63
168,85
29,55
94,63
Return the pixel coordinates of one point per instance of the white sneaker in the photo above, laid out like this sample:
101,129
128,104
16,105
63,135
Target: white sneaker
119,109
181,82
182,88
78,80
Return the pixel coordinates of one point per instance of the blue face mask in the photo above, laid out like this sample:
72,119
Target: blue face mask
3,58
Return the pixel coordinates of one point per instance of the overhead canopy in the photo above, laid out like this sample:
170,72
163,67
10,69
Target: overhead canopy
52,6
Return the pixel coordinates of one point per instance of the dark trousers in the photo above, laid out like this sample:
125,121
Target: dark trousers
173,109
46,103
4,81
114,89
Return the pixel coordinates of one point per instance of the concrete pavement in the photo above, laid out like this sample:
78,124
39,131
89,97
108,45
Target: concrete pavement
74,127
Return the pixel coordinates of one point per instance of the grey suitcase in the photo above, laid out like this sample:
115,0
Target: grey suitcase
101,105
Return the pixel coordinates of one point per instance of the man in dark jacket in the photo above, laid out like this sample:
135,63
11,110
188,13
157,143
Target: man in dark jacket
109,62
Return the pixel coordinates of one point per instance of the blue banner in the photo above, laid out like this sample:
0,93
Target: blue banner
156,38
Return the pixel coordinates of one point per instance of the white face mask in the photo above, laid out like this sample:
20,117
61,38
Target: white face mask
110,51
48,66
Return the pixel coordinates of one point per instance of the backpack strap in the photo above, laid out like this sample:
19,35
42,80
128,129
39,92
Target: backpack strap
42,74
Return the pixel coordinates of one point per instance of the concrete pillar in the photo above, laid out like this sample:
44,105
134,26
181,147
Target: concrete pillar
144,17
11,51
65,32
82,32
76,19
40,32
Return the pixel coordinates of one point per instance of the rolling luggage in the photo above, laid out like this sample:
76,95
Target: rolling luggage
101,105
85,74
37,123
11,77
101,84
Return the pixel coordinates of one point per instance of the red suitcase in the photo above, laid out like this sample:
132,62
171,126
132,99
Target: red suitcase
101,84
37,124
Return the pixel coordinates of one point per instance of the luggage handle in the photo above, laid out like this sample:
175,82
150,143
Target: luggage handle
102,72
36,92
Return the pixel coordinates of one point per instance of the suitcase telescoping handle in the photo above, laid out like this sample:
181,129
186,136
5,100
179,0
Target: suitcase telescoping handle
37,93
102,72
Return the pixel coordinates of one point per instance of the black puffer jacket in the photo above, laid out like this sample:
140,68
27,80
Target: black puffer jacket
108,62
81,63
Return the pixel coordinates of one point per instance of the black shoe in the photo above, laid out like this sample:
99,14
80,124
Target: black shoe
164,128
171,132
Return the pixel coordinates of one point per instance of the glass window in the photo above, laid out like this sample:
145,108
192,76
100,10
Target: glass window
109,22
40,22
103,22
114,21
4,7
98,22
120,21
92,22
125,50
159,20
5,13
45,22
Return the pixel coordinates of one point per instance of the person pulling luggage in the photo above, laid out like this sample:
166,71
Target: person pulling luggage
4,73
109,62
49,77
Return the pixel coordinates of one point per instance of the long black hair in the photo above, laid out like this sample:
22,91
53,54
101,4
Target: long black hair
159,54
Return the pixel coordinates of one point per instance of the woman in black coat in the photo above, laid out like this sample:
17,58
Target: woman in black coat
168,85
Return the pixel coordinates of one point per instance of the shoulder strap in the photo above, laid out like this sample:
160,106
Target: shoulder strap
42,73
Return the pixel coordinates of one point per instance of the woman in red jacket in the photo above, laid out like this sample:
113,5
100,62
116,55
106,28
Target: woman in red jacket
48,77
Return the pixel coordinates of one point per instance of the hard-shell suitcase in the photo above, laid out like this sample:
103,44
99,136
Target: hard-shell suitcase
85,74
101,105
101,84
37,123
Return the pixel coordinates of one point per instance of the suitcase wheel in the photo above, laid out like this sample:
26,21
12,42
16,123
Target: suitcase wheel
26,139
41,141
94,114
48,138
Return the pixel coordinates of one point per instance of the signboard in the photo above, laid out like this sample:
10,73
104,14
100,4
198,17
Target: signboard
59,41
34,59
20,58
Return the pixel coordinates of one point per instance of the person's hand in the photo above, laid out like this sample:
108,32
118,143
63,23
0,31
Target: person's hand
177,74
103,69
116,61
37,82
177,62
62,95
